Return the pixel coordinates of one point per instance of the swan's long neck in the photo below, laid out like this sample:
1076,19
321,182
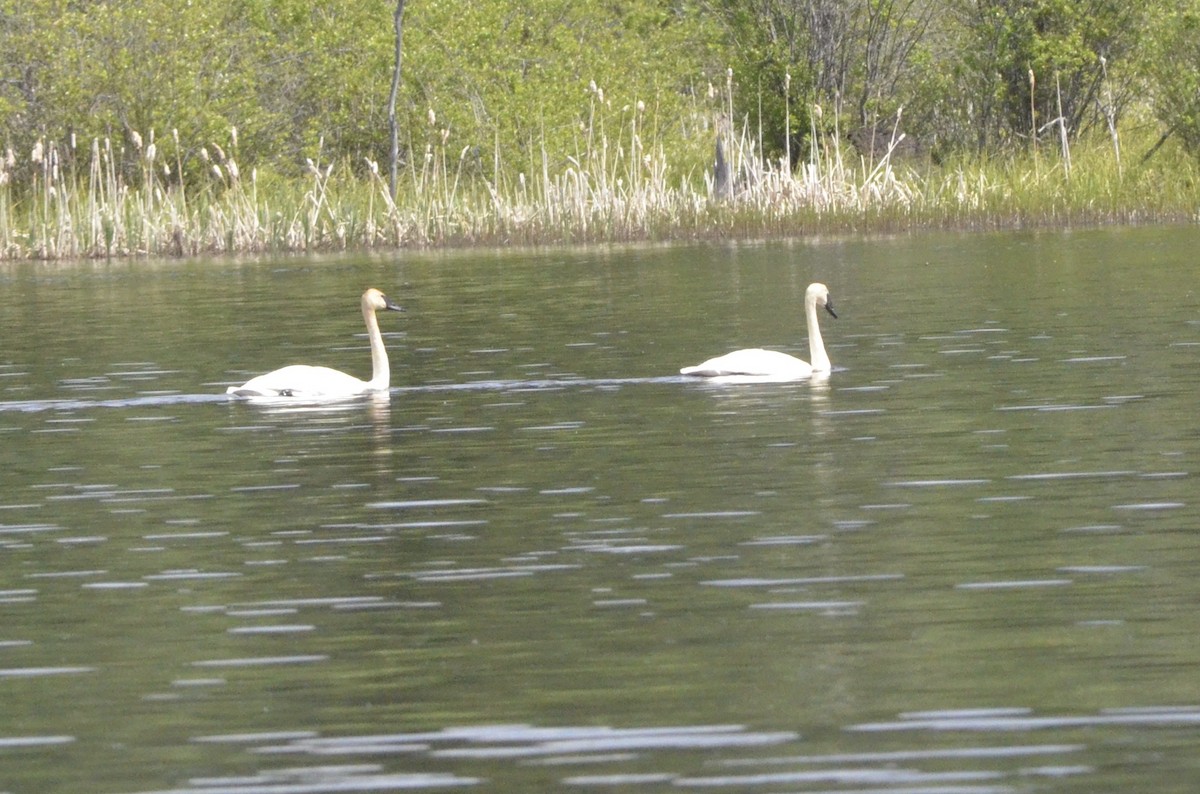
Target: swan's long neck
816,346
381,373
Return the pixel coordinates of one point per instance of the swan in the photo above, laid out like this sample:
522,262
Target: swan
755,365
300,381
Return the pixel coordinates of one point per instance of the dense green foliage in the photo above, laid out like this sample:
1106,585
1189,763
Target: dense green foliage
133,126
508,79
298,79
1173,63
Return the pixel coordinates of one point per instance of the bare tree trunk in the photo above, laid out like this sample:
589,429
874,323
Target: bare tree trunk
393,127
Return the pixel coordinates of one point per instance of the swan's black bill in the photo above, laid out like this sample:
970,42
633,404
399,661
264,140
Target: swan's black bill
390,305
829,307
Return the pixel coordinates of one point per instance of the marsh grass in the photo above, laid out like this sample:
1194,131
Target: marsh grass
619,184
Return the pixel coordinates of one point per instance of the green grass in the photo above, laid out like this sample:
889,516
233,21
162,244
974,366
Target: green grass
110,202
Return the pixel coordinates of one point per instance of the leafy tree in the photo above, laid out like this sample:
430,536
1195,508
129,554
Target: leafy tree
853,57
127,71
514,81
1025,64
516,75
300,80
1171,69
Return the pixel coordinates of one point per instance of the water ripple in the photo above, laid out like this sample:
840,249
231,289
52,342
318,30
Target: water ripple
8,742
1024,720
38,672
1015,584
803,581
320,781
258,661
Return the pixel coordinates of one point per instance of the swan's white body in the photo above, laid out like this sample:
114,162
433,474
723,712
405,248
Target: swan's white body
755,365
303,382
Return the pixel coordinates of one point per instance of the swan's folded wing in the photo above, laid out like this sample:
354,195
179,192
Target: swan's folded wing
753,362
301,382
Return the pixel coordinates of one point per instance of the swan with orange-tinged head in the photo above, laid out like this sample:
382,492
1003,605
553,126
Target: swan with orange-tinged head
304,382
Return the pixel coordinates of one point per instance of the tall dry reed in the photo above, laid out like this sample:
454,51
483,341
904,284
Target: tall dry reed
105,199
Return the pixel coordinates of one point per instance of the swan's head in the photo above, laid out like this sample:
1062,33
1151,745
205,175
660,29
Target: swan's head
818,295
376,301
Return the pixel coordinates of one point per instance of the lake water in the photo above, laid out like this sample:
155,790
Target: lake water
966,562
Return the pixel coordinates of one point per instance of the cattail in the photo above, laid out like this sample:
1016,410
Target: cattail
641,106
10,158
233,136
204,154
151,151
136,139
233,169
445,135
432,118
216,169
37,153
220,153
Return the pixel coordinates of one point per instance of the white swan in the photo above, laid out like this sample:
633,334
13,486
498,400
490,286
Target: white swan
767,366
300,381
